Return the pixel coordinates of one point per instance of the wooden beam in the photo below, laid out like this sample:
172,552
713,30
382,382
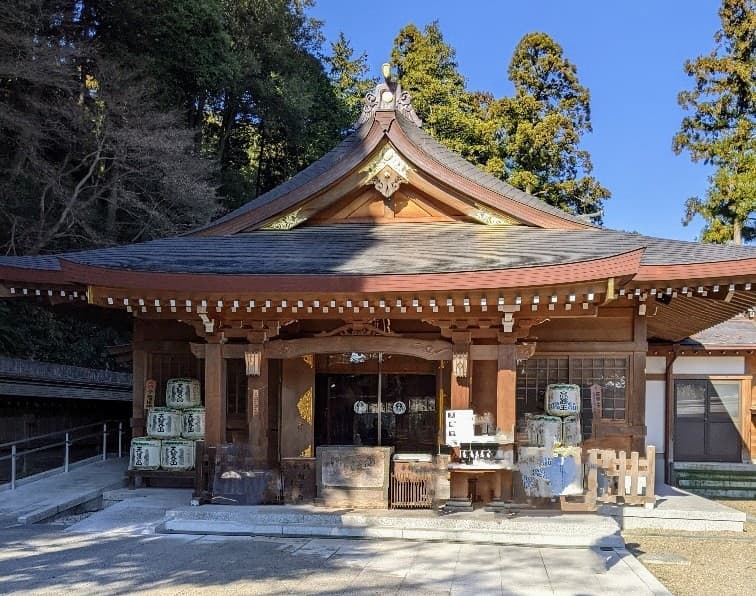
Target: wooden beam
461,386
139,376
258,411
295,348
215,393
506,386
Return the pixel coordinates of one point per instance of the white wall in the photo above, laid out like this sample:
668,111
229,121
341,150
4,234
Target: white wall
709,365
656,365
655,410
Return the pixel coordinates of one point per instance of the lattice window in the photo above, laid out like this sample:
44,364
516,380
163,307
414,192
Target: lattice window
609,373
532,379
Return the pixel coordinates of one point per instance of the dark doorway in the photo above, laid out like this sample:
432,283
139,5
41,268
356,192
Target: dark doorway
347,407
707,415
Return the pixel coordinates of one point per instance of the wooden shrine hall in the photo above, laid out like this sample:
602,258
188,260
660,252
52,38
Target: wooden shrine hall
334,320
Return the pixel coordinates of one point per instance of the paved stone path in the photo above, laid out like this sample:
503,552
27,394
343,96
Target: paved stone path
43,561
42,498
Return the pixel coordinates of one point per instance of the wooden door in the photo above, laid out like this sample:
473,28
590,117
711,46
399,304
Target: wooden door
707,420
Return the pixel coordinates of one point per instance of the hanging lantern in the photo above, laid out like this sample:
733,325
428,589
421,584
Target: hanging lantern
253,360
459,364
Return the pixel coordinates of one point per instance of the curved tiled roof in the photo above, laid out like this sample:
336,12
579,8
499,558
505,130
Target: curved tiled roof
364,249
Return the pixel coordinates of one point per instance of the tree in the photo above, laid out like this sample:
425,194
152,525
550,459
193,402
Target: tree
349,76
541,126
427,68
720,130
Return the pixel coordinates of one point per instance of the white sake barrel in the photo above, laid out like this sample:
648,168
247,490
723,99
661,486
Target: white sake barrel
544,431
177,454
144,454
562,400
193,423
182,393
164,423
532,463
571,435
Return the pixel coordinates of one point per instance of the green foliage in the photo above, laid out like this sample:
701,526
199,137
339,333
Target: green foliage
427,68
61,335
720,129
531,140
349,76
541,127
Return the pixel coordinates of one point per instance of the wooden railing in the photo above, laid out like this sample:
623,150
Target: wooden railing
612,477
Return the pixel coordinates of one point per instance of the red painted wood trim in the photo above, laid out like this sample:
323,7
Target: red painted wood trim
34,276
693,271
625,264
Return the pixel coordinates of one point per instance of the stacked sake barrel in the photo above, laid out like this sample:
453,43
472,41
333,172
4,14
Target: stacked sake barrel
171,430
550,465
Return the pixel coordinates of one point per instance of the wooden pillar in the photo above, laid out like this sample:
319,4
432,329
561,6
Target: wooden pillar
636,395
461,386
139,372
258,411
215,392
506,385
297,407
139,377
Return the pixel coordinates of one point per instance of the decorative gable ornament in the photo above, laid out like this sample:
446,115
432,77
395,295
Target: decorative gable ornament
387,171
388,96
287,222
487,217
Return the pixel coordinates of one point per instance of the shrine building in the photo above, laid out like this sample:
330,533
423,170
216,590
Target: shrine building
389,282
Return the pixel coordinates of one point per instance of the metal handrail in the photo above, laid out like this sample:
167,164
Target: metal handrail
57,432
67,442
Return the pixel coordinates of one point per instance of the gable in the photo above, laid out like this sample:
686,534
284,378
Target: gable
387,188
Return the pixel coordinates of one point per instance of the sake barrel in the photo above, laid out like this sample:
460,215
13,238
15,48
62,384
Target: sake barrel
562,400
177,454
164,423
543,431
532,463
193,423
182,393
144,454
571,435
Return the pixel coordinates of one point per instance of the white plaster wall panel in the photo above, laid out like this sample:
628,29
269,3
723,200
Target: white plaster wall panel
709,365
655,408
656,365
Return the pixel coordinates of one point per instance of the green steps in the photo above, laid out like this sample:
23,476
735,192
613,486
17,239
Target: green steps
717,482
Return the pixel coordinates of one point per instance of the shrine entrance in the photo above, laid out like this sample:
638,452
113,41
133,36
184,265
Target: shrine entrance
384,400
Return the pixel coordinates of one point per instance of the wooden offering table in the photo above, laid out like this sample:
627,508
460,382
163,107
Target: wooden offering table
492,484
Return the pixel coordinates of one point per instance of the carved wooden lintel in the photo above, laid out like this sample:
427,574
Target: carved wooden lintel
407,346
359,329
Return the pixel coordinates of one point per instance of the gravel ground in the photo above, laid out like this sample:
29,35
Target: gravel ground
720,562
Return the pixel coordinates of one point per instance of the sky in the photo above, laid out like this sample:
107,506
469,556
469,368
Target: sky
630,55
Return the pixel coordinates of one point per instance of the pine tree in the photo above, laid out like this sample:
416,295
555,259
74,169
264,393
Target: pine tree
541,126
349,76
720,129
427,68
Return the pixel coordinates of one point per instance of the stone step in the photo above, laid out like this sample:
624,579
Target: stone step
689,483
580,530
751,476
722,493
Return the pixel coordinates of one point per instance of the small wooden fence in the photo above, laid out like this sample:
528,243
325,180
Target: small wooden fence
412,485
615,478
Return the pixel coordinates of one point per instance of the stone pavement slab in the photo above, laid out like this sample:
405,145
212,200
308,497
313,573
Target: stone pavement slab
34,501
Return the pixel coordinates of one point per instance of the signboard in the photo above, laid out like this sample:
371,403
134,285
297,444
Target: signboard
459,427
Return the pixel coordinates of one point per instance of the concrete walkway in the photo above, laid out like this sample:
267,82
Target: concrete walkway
677,509
43,498
550,529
